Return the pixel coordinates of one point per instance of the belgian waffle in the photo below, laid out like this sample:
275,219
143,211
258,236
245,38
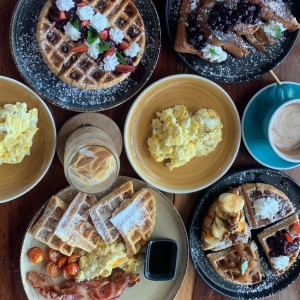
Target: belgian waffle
79,69
135,219
74,227
102,211
43,230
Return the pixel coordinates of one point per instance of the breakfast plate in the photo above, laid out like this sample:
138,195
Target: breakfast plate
270,284
168,224
249,67
252,133
34,70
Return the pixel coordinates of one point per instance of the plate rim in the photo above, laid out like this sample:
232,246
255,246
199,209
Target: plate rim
73,108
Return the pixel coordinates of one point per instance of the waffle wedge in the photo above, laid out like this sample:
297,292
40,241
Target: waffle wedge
102,211
74,227
135,219
44,228
78,68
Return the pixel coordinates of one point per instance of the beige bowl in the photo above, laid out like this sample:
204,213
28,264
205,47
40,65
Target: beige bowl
194,92
17,179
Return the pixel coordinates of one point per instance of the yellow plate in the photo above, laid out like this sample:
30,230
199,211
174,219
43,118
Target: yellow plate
194,92
17,179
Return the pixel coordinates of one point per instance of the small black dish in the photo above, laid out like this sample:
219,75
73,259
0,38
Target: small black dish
161,257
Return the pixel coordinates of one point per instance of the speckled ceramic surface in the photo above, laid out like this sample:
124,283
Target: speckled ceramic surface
35,71
168,224
271,284
251,66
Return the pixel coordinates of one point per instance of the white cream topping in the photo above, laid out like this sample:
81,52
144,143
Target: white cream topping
110,62
274,29
72,32
266,208
64,5
214,53
99,22
133,50
280,262
93,50
85,13
116,35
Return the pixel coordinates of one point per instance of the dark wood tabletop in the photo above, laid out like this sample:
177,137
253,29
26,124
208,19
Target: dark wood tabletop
16,215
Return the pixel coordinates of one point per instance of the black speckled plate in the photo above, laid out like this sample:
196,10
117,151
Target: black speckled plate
234,70
271,284
34,70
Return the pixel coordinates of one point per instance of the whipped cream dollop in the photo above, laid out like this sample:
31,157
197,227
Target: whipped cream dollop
274,29
72,32
133,50
280,262
110,62
99,22
93,50
116,35
266,208
85,13
64,5
214,53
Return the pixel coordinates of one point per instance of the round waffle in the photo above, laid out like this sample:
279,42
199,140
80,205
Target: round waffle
78,68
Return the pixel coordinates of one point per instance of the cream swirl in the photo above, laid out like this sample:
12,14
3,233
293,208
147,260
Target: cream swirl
64,5
72,32
110,62
99,22
280,262
274,29
116,35
93,50
133,50
85,13
266,208
214,53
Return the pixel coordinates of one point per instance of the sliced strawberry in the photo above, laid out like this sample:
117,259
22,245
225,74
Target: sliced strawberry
85,23
125,68
103,34
82,4
288,237
111,51
295,229
81,48
124,45
62,15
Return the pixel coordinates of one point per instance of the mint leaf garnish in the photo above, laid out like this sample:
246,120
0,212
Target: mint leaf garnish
120,58
213,51
103,46
278,32
244,267
75,23
92,35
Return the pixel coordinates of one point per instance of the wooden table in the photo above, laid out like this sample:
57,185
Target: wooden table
16,215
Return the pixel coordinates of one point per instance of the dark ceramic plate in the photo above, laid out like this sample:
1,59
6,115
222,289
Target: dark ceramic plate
271,284
232,70
34,70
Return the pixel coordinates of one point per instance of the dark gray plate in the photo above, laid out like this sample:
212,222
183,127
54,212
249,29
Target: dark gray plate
34,70
234,70
271,284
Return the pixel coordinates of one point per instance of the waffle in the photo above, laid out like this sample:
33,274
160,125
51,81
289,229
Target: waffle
271,232
74,227
228,263
135,219
79,69
43,230
102,211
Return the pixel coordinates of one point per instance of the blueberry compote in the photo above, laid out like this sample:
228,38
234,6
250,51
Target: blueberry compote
195,36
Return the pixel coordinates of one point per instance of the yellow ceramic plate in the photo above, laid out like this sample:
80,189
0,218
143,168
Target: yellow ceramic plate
17,179
168,223
194,92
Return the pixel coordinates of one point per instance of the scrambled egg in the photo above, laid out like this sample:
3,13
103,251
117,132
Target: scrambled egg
178,136
17,128
102,260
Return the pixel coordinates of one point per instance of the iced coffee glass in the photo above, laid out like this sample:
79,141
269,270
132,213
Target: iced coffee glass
91,162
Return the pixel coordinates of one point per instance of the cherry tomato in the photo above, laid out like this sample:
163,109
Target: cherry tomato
73,258
64,272
62,261
36,255
54,255
52,268
72,268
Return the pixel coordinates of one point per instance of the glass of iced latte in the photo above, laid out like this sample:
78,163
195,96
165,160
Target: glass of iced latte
91,162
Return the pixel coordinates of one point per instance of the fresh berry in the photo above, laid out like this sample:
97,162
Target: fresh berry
124,45
81,48
103,34
124,68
